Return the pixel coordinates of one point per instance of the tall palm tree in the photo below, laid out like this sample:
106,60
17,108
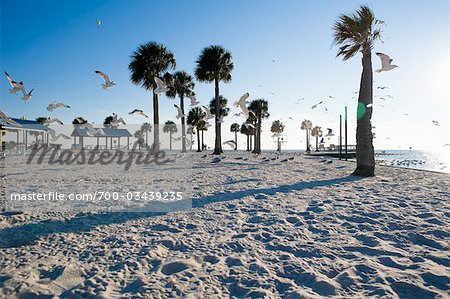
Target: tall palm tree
171,128
260,108
195,118
182,86
307,126
277,128
355,33
235,128
150,60
316,132
214,65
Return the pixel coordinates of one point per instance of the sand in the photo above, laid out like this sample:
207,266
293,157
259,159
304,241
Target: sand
293,227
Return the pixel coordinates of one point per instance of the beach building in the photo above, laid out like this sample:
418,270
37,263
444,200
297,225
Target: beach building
106,138
39,133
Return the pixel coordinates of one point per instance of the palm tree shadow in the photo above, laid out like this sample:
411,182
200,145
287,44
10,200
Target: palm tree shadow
228,196
27,234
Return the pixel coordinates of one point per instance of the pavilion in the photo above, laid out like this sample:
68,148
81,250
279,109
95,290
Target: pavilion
109,133
22,129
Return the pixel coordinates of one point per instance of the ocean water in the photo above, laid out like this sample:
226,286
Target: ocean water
425,160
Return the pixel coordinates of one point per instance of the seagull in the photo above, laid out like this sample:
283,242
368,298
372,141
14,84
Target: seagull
53,106
380,22
405,114
230,143
91,130
249,126
207,125
238,114
138,112
291,118
331,97
194,101
242,100
26,95
382,87
16,86
435,122
55,137
52,120
385,63
98,23
315,105
7,120
208,113
160,86
180,112
116,121
298,101
107,83
330,132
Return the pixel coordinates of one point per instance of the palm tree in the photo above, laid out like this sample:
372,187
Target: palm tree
139,136
277,128
41,119
203,127
316,132
107,121
214,65
260,108
194,118
355,33
146,128
79,121
150,60
235,128
307,126
171,128
182,86
190,131
223,111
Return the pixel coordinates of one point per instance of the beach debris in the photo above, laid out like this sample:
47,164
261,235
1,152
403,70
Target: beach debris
160,86
108,83
53,106
385,63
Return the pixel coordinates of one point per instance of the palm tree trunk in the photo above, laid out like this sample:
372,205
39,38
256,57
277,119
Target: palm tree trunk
235,140
365,156
248,141
155,121
307,143
198,140
170,141
218,144
183,126
203,143
317,143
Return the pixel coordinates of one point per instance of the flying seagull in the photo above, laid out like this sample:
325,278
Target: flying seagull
98,23
194,101
209,115
55,137
385,63
138,112
315,105
230,143
160,86
291,118
16,86
116,121
91,130
52,120
435,122
330,132
382,87
26,95
180,112
107,83
7,120
53,105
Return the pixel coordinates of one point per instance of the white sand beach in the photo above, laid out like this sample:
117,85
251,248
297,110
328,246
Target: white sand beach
291,228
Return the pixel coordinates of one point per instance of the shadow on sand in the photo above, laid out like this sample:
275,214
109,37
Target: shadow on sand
27,234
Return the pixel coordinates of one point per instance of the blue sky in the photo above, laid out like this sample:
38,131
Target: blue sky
57,46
